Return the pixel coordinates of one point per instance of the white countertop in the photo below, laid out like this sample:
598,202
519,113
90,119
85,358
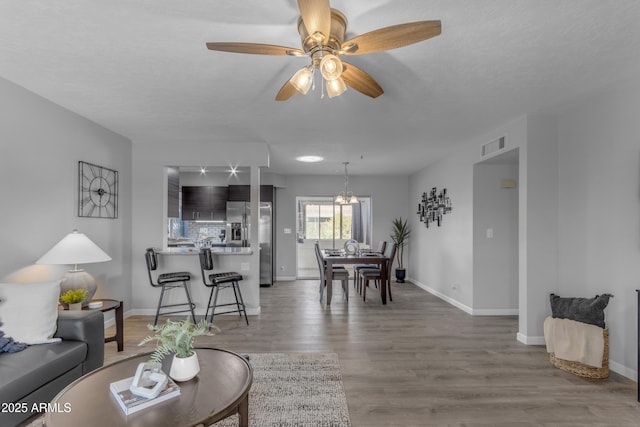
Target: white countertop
228,250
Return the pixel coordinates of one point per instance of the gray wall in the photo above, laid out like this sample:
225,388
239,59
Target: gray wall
579,215
149,191
389,199
40,146
599,215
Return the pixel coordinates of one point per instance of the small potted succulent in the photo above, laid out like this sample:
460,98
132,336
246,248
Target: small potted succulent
177,339
73,298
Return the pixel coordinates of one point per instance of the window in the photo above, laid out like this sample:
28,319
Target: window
319,218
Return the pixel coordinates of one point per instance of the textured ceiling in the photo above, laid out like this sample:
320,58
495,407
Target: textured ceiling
141,68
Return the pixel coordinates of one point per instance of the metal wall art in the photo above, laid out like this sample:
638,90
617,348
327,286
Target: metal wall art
433,206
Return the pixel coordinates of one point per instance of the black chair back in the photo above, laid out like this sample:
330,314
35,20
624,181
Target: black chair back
152,259
206,260
206,264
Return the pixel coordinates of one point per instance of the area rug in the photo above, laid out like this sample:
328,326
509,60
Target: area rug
295,389
289,390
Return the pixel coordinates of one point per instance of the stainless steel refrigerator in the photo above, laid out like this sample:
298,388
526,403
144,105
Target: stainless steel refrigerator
238,222
238,233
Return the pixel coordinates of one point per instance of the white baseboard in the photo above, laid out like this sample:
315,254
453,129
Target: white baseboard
618,368
464,307
524,339
285,278
443,297
496,312
111,321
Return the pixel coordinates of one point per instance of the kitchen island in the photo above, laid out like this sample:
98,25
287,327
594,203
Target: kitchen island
225,258
216,250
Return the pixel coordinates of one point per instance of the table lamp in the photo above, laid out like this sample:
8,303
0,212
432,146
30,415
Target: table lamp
76,248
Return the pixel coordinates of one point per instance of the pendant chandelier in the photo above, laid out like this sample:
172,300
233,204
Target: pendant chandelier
346,197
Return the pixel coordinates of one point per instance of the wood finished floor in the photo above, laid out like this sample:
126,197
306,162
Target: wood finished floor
419,361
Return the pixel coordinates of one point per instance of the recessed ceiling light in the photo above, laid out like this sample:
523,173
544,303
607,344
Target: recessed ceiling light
309,159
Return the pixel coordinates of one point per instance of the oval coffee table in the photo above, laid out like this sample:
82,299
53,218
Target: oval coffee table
221,389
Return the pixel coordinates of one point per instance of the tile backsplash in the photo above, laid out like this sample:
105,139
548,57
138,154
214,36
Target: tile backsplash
197,231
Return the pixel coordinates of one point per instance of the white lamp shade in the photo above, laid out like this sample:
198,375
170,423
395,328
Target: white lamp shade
335,87
331,67
74,248
302,80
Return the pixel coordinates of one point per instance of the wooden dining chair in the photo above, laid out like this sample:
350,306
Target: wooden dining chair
368,274
382,245
339,273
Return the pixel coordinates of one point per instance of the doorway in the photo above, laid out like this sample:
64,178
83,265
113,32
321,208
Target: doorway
495,235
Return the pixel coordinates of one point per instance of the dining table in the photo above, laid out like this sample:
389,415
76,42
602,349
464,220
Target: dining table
332,257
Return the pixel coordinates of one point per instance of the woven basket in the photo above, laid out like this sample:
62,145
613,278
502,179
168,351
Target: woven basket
582,370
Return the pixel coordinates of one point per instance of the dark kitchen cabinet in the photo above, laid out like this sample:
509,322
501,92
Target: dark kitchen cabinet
239,193
218,205
242,193
204,203
173,190
266,193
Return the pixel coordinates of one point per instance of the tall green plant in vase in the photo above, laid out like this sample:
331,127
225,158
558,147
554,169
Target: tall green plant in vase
400,235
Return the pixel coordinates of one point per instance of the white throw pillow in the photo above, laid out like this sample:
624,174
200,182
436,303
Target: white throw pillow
29,312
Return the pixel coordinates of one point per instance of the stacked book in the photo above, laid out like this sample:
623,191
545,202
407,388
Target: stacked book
131,403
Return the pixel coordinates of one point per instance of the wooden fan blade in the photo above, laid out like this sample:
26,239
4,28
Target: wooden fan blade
255,48
316,15
286,92
391,37
360,81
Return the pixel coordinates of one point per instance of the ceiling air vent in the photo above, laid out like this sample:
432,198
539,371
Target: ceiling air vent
493,146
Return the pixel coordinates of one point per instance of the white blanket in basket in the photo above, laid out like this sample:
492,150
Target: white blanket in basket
574,341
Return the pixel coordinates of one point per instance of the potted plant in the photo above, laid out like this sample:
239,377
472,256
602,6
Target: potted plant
177,338
73,298
400,235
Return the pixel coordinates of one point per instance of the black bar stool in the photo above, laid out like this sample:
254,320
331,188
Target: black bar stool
220,281
169,281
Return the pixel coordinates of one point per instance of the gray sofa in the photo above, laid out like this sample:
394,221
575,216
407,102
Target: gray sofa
36,374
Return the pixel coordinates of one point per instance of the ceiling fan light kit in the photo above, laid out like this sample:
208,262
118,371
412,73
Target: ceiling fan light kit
336,87
302,80
322,31
330,67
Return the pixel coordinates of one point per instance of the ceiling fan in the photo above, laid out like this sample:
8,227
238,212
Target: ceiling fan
322,31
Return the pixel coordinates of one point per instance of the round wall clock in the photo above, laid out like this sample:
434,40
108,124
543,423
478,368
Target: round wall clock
97,191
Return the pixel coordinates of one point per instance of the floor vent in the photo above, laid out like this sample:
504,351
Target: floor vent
493,146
